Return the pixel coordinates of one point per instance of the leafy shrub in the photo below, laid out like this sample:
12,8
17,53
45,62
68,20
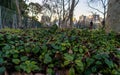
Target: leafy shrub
82,52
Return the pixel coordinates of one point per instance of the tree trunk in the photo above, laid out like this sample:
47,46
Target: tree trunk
63,9
63,15
71,12
104,18
0,18
19,14
113,16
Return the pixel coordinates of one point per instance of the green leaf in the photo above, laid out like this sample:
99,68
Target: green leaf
98,56
2,70
66,63
20,48
47,59
11,42
16,61
72,38
17,68
71,71
79,64
81,50
23,58
98,63
88,72
6,47
68,57
15,55
115,72
55,46
63,48
29,66
90,61
1,61
9,36
63,44
51,65
105,56
109,63
94,69
50,71
75,49
34,66
36,49
28,49
44,47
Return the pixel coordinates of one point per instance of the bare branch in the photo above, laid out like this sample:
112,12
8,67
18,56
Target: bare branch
95,8
76,3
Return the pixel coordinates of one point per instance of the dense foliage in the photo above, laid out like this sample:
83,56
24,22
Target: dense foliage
81,52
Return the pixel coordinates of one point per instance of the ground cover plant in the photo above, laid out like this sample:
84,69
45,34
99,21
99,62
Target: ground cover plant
56,51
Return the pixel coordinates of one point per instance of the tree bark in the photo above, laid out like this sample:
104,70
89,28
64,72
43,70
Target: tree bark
0,18
113,16
71,12
19,14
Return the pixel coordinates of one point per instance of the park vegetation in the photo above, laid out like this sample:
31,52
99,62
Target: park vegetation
55,51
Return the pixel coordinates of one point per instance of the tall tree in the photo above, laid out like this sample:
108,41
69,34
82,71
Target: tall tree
71,12
6,3
113,15
19,13
58,8
34,9
18,6
104,4
21,8
65,12
64,9
49,8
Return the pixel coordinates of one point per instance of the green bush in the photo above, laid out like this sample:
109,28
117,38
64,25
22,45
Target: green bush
82,52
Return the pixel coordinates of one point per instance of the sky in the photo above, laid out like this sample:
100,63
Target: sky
81,9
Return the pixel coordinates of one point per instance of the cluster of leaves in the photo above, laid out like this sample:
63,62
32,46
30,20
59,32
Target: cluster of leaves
81,52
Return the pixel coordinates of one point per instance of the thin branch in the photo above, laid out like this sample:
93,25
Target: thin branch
103,3
95,8
76,3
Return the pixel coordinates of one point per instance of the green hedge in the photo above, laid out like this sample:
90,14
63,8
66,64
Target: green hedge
47,51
